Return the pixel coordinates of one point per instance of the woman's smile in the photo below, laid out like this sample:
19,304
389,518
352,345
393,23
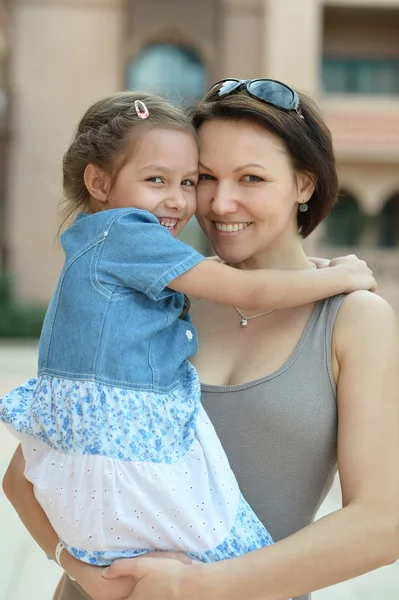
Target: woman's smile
231,227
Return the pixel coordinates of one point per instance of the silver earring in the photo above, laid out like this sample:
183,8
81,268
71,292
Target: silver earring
303,207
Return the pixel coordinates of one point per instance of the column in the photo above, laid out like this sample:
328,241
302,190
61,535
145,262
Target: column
241,44
293,42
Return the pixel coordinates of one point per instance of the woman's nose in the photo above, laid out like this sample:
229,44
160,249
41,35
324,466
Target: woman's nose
223,201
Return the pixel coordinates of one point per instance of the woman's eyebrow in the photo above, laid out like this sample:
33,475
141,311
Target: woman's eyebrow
204,166
249,165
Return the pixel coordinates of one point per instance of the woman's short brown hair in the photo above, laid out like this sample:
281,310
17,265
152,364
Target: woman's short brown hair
307,141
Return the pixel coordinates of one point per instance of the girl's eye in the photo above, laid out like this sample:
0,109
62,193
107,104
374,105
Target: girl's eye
205,177
188,183
155,179
252,178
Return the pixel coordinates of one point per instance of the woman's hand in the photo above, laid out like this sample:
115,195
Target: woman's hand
163,579
90,579
115,582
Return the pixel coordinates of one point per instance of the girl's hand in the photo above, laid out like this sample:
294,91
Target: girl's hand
361,277
163,579
319,262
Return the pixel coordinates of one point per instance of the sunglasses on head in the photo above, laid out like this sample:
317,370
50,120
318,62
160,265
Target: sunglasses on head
270,91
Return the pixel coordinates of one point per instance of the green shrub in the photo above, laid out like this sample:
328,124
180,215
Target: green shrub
17,320
5,289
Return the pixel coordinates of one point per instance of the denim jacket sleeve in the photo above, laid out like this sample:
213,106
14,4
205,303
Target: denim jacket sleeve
139,254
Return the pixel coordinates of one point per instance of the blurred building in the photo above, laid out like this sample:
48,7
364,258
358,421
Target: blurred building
58,56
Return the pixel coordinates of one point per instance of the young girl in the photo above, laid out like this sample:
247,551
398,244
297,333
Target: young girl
121,454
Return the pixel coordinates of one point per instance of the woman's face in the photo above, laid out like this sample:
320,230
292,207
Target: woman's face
247,195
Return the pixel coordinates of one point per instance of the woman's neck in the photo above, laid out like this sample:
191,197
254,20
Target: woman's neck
292,257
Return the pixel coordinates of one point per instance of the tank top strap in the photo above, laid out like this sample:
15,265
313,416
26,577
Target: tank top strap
320,339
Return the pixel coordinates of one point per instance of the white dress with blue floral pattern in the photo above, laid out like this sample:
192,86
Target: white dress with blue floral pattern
121,472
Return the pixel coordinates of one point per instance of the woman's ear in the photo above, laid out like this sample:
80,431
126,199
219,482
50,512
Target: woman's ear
97,182
306,186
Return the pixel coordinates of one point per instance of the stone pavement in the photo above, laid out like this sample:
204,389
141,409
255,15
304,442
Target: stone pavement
25,573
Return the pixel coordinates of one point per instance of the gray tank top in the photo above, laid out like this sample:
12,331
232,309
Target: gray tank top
280,431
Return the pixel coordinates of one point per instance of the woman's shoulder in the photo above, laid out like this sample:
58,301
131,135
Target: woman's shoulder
362,304
364,317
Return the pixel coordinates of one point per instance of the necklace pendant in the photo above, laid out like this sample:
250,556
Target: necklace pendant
244,322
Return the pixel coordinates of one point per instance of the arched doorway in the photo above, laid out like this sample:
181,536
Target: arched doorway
346,222
389,223
174,70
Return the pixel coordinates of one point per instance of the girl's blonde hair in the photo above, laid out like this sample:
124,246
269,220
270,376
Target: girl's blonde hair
106,137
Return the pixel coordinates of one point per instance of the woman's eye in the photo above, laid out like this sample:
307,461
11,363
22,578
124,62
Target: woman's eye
155,179
205,177
188,183
252,178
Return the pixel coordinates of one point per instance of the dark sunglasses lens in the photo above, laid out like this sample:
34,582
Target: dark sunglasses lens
272,92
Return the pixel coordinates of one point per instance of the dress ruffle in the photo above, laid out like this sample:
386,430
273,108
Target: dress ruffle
86,417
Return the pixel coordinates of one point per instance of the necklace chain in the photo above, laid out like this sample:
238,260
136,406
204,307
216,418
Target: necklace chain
245,319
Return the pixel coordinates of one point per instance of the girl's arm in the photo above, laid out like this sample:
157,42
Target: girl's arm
20,493
360,537
271,288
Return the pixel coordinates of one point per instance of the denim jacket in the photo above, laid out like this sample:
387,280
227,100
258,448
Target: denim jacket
112,318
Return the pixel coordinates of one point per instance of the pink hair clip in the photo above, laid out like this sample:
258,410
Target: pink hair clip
141,109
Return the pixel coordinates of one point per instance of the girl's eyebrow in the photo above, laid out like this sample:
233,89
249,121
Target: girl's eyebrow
156,167
165,169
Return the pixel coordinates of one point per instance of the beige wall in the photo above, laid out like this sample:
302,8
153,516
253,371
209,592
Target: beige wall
364,33
60,64
67,53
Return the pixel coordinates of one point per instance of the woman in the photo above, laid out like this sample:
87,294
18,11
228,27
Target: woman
289,392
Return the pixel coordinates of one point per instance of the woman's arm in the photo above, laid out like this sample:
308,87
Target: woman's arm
19,491
271,288
364,534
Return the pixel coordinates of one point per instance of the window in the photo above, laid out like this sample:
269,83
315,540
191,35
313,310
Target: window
345,224
179,73
361,75
169,69
389,224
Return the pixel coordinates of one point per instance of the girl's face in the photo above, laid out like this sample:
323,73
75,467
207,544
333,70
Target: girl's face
247,194
160,177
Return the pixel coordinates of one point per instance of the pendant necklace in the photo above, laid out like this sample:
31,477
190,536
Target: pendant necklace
245,319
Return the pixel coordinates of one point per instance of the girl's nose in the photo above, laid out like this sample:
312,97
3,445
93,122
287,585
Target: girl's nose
176,201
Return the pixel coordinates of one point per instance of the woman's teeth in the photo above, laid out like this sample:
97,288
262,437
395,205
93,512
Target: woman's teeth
168,224
230,227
